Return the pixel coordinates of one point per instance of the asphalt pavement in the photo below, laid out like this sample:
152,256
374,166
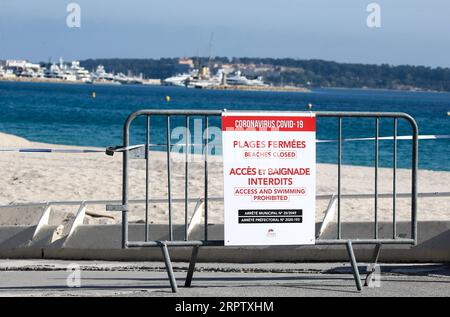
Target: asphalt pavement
90,278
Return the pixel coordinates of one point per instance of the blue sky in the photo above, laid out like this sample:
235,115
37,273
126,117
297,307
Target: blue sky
413,32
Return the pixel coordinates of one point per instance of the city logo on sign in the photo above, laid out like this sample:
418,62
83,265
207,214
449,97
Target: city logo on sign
271,233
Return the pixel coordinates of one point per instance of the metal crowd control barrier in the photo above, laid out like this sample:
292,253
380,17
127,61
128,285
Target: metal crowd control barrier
166,114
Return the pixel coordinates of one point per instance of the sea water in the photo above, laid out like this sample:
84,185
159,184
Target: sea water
69,114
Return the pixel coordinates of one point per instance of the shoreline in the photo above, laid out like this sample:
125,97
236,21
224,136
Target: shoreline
260,88
384,89
41,80
221,87
228,87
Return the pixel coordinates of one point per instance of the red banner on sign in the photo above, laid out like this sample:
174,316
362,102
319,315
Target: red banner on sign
268,123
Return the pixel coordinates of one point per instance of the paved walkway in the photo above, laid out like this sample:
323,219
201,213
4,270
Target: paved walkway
53,278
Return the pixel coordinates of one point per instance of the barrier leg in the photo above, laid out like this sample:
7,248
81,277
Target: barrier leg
371,269
351,255
173,282
191,269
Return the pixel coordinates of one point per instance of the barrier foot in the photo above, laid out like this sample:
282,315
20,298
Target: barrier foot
191,269
173,282
351,255
371,269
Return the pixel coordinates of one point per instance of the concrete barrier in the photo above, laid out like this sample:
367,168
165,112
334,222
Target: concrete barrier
103,242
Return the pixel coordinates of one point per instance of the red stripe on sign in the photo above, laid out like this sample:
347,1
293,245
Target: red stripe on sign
268,123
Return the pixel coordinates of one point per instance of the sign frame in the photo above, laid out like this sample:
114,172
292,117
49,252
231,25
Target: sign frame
269,165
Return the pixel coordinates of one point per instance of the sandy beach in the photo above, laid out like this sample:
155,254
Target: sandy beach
41,177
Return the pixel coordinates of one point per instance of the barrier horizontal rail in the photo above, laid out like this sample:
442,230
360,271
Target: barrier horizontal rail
193,200
190,243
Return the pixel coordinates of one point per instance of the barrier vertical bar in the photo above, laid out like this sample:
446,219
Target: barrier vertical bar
394,183
147,152
206,149
339,177
126,141
376,177
186,179
414,167
169,187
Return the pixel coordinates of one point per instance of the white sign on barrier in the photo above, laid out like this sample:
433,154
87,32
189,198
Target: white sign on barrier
269,178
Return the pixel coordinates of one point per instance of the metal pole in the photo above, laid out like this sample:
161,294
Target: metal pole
376,178
339,178
186,179
168,262
191,269
355,269
147,152
126,143
169,187
206,149
394,183
414,167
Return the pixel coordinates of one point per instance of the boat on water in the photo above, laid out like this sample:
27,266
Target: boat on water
81,74
239,80
204,79
177,80
72,72
127,80
101,77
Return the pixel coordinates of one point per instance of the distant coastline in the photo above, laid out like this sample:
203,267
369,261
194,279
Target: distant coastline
223,87
311,73
384,89
39,80
59,81
261,88
199,72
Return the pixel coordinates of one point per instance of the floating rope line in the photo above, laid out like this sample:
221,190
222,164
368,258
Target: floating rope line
111,150
400,137
36,150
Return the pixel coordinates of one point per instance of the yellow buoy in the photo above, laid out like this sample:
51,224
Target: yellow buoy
94,95
167,98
